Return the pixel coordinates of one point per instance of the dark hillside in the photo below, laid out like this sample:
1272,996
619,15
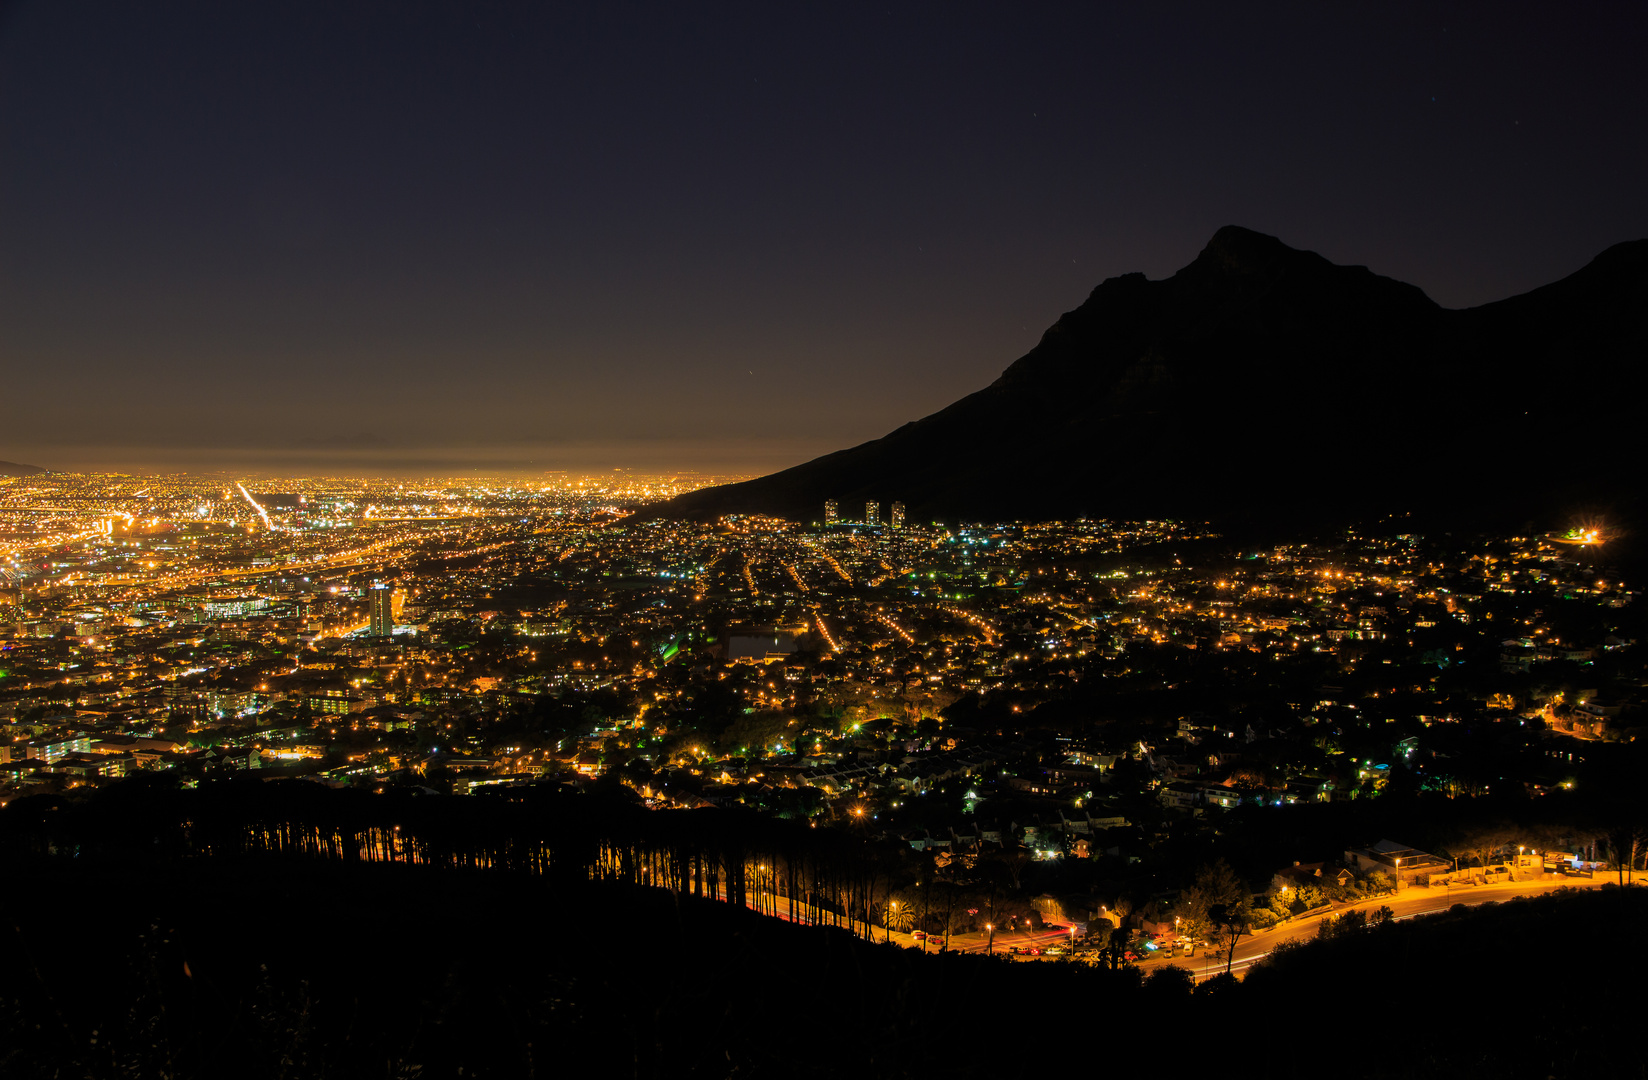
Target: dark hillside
239,968
192,934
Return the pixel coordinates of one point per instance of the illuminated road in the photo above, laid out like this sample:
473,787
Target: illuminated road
1412,902
262,513
1008,940
1408,904
778,907
796,577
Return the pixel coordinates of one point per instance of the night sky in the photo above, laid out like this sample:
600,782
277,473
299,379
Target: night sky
477,237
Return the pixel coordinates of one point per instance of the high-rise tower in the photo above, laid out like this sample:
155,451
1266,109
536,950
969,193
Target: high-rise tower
898,515
832,512
872,514
383,609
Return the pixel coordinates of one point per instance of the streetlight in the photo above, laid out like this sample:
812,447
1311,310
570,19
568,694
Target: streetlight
892,911
990,948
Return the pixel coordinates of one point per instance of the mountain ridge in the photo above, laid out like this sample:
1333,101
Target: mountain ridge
1260,380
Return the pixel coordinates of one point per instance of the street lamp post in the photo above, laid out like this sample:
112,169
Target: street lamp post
990,949
892,911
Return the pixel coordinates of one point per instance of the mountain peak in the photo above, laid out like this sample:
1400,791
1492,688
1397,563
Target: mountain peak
1235,239
1234,249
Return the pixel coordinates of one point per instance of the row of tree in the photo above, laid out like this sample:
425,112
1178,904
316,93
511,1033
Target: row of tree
785,868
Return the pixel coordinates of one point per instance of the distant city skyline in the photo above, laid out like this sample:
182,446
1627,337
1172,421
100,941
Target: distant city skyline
538,239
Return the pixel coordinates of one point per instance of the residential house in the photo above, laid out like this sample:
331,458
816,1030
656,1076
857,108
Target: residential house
1403,864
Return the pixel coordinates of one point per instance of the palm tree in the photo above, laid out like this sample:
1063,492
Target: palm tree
898,914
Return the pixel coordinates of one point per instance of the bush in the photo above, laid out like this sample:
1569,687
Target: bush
1343,925
1171,981
1221,985
1281,951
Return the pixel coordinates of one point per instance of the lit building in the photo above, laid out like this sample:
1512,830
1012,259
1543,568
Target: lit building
872,514
832,512
234,607
383,610
898,515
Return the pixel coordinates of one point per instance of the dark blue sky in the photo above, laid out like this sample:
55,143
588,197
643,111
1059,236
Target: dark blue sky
478,235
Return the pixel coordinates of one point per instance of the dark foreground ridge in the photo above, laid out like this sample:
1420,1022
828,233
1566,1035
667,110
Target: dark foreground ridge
12,468
1264,383
144,944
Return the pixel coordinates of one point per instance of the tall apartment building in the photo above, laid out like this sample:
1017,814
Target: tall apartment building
898,515
832,512
872,514
383,609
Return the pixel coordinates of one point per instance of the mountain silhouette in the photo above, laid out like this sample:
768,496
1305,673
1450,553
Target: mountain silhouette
1262,383
11,468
